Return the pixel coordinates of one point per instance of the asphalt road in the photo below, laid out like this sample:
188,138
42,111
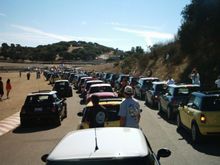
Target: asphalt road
25,146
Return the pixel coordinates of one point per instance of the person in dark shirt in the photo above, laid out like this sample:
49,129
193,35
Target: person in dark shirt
96,114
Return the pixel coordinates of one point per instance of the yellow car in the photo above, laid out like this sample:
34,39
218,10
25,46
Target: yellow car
201,115
112,106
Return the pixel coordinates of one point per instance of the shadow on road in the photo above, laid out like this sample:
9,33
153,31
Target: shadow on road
208,145
33,128
164,117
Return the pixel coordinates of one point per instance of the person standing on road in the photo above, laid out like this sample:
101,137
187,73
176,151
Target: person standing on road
8,87
217,82
170,80
194,76
1,89
129,110
97,114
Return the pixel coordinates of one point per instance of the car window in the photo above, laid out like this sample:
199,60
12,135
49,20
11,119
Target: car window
211,104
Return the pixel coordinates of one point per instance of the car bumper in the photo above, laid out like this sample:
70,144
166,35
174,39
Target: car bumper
209,130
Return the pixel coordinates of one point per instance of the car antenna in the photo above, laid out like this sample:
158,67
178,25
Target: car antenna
96,144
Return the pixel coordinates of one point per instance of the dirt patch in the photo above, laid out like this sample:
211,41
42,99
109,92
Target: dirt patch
20,88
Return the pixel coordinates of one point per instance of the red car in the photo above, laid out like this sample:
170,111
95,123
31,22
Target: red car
102,90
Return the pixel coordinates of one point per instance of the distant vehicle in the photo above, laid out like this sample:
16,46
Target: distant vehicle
152,95
103,90
201,115
132,81
112,106
53,78
105,146
144,84
43,106
118,82
87,85
174,95
63,88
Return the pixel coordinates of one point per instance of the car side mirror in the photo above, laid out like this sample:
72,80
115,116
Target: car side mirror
189,104
164,152
44,157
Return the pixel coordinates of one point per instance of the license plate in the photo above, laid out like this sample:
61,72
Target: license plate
38,109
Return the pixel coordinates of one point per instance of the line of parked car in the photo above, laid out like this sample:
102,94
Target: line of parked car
111,144
191,108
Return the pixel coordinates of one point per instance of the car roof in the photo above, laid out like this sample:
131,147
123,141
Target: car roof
149,78
207,93
57,81
98,85
91,81
159,82
112,142
42,92
183,85
107,101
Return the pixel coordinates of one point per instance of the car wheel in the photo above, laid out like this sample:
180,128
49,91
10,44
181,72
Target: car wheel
146,100
58,120
196,135
178,122
159,107
169,113
65,112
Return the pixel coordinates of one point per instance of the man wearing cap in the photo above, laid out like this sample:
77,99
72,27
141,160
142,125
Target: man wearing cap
129,110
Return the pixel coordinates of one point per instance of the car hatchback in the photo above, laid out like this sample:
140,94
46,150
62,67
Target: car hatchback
105,146
201,115
112,106
43,106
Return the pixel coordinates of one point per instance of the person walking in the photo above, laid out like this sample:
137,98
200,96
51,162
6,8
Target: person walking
97,114
194,76
8,87
217,82
28,75
129,110
1,89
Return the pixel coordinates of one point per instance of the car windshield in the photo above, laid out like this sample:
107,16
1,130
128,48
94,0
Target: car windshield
147,160
211,104
185,91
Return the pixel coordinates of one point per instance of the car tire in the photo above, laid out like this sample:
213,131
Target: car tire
58,120
178,122
195,133
159,107
146,100
169,113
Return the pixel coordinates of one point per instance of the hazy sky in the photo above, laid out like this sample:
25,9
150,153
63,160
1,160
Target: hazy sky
115,23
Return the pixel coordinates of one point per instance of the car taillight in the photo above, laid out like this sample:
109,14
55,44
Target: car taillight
53,108
23,111
203,118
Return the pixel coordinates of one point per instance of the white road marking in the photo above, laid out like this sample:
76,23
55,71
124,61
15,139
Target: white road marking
9,123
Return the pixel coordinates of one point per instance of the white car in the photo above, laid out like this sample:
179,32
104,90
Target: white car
105,146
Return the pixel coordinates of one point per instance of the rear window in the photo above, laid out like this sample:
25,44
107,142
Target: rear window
38,99
211,104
